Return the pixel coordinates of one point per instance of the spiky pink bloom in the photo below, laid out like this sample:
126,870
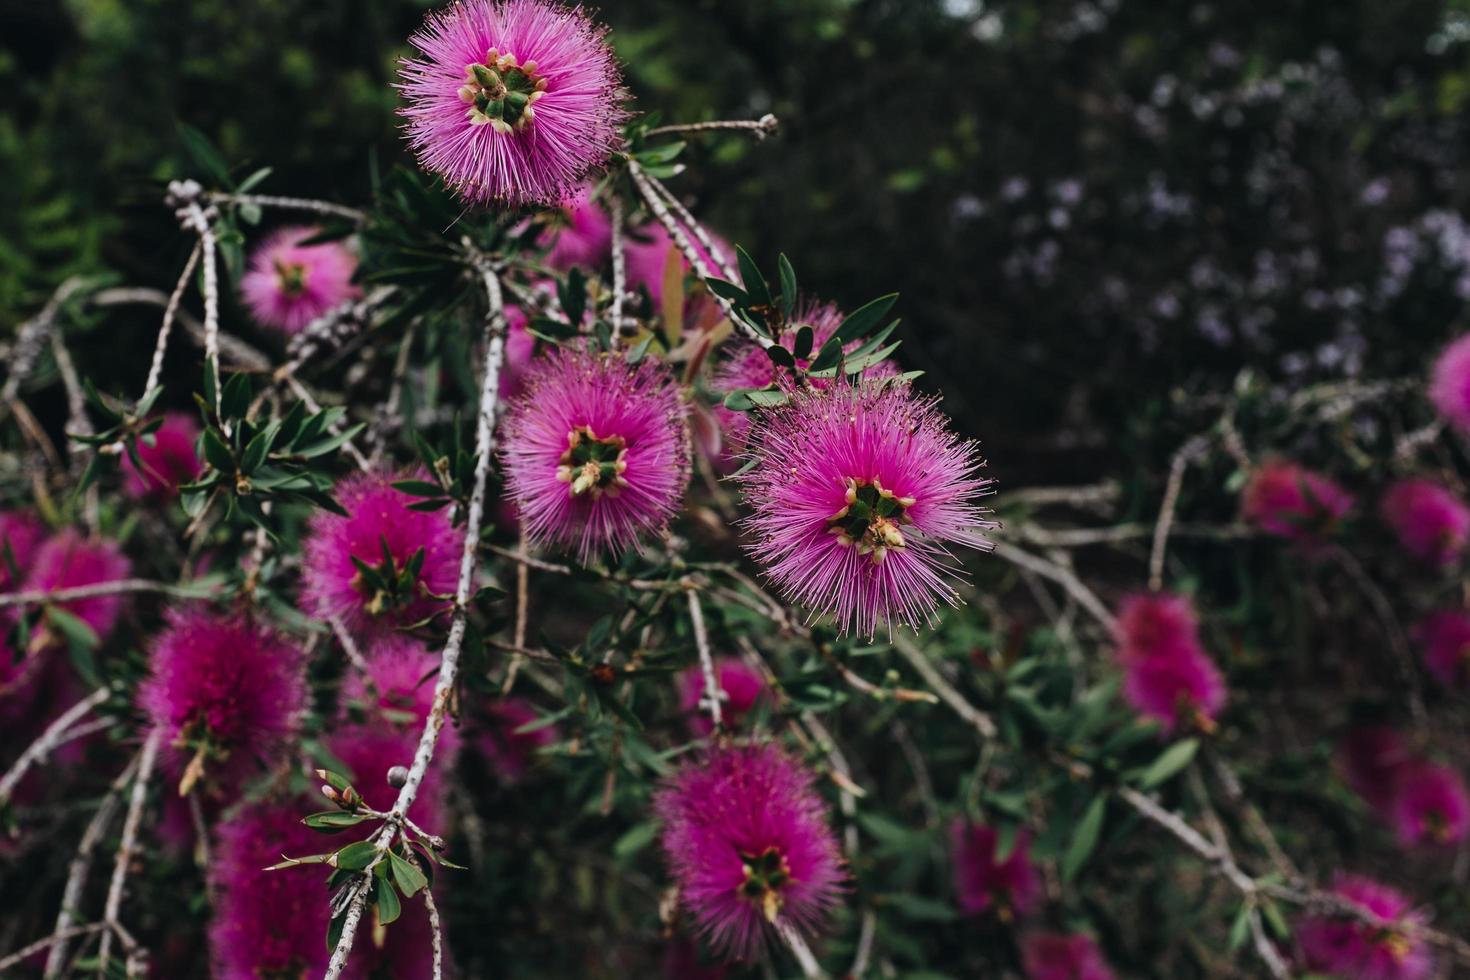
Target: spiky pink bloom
272,923
168,462
1063,956
652,256
582,235
1371,758
226,693
520,346
742,685
1385,949
1011,887
749,367
398,682
856,493
747,839
1181,692
1290,501
1432,523
383,533
1158,624
288,285
1430,806
1444,637
21,533
596,451
508,751
69,561
1449,385
512,101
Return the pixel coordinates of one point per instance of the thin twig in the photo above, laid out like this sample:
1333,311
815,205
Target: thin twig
1062,577
119,587
131,822
759,128
54,735
712,691
943,688
290,204
810,968
155,369
26,952
1187,454
619,263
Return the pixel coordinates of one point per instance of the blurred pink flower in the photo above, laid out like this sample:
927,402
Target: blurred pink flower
1430,806
1010,887
581,236
1449,385
651,252
1387,949
1160,624
70,561
520,345
856,494
167,463
1063,956
21,533
1182,690
509,752
1444,637
747,839
382,532
1289,501
227,695
289,285
512,101
741,683
596,452
1431,522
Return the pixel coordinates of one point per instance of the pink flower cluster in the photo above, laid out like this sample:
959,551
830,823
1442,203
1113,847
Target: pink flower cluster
168,457
747,839
1168,675
288,285
741,685
1286,499
1385,947
856,494
984,881
1426,803
1431,522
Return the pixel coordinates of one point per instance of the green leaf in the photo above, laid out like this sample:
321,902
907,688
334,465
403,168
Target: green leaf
204,155
805,338
767,398
920,908
290,862
235,398
409,878
389,907
253,181
728,290
331,821
638,837
356,857
1169,763
1240,927
780,356
72,629
1084,838
788,286
751,278
864,319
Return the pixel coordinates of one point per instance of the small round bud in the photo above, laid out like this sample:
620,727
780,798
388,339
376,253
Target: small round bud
397,776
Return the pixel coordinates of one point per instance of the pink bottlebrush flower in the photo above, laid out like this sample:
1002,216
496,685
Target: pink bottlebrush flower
596,451
1157,625
747,839
743,687
398,683
382,532
508,751
981,883
226,693
1370,758
167,463
1431,522
1063,956
682,961
749,367
289,285
272,923
21,533
1181,691
652,256
1289,501
267,923
512,101
582,235
1449,385
1347,947
856,493
1430,806
1445,639
69,561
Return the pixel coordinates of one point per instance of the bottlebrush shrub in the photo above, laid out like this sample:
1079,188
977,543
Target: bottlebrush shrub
448,608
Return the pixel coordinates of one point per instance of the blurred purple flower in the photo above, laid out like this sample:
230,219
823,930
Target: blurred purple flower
1431,522
288,285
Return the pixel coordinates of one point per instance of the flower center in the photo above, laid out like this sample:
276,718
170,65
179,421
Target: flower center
386,585
592,465
290,278
871,519
501,92
766,874
1392,941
